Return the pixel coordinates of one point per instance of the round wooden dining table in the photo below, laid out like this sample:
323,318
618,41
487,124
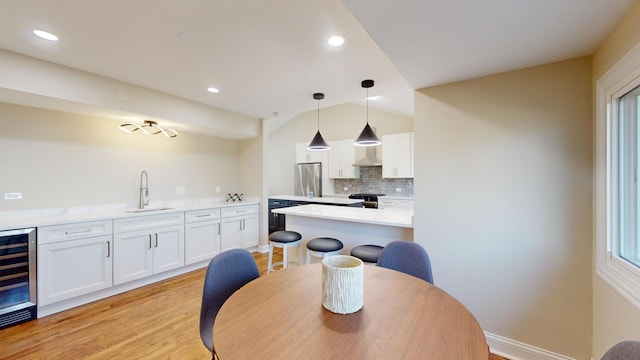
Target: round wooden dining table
280,316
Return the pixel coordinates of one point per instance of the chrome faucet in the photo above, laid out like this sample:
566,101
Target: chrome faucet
144,190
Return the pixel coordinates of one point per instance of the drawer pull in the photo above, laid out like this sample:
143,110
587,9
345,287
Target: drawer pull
71,232
203,215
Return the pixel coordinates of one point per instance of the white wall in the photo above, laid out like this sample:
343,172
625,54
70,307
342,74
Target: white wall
59,159
339,122
503,200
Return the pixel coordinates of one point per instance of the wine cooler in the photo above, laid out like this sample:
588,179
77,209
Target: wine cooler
17,276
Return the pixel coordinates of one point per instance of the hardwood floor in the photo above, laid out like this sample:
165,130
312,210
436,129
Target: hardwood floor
159,321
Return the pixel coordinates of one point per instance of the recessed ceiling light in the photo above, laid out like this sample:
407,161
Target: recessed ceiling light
336,40
213,90
45,35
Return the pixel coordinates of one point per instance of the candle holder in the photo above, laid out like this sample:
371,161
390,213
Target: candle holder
342,284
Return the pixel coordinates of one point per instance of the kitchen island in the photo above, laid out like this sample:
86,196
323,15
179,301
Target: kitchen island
352,226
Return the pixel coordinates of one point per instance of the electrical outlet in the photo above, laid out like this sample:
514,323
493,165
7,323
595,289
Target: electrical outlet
398,189
12,196
345,188
218,188
180,190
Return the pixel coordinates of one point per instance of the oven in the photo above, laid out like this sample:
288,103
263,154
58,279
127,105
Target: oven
17,276
370,200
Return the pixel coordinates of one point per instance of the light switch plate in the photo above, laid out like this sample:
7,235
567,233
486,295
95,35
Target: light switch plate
12,196
218,188
180,190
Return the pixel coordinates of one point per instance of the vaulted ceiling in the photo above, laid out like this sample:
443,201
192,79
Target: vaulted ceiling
267,58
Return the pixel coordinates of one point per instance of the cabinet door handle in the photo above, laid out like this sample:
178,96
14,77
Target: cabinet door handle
218,228
71,232
108,248
244,225
240,223
156,239
149,241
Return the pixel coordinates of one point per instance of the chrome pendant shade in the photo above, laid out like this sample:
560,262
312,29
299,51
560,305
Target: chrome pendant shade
150,128
367,136
318,143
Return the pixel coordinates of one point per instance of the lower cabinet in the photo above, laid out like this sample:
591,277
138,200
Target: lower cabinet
202,235
240,227
77,259
73,260
148,251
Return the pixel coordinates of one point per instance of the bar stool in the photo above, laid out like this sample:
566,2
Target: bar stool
367,253
322,247
284,240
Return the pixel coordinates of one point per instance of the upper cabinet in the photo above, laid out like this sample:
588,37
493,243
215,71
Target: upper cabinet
341,158
397,156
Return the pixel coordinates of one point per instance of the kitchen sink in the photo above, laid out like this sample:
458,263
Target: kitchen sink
133,211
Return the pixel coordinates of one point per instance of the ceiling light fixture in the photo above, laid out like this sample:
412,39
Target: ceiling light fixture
367,136
213,90
318,143
45,35
336,41
150,128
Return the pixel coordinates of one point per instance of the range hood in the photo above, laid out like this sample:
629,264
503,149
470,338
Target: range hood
371,159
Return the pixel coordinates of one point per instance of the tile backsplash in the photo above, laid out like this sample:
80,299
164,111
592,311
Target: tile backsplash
371,181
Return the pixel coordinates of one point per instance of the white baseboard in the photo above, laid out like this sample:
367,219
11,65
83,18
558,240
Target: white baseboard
262,248
516,350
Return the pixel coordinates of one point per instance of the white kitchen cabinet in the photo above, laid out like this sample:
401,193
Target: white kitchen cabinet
341,158
397,156
240,227
147,245
202,235
73,260
306,156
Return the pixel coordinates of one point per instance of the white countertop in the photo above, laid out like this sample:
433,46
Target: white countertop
324,199
45,217
394,216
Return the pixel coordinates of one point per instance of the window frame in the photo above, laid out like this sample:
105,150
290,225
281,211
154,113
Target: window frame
623,276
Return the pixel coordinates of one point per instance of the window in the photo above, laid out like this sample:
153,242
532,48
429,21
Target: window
617,192
627,156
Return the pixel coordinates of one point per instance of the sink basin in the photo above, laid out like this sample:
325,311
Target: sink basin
133,211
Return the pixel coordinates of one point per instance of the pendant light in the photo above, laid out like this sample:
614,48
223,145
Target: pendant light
367,136
318,143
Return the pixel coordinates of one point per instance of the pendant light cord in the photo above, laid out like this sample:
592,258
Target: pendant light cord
367,106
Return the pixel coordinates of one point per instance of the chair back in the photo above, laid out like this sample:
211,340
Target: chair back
407,257
626,350
227,272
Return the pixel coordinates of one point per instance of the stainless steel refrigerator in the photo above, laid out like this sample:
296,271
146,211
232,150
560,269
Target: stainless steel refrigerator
308,179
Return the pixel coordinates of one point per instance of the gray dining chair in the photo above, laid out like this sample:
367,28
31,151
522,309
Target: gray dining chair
626,350
407,257
227,272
